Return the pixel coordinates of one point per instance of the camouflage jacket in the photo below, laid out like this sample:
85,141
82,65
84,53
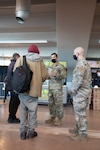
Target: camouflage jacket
55,82
81,78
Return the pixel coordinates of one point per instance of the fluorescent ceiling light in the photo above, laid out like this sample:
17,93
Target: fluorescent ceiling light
25,41
99,41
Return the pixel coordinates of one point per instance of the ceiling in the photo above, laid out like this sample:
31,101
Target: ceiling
11,29
95,34
38,26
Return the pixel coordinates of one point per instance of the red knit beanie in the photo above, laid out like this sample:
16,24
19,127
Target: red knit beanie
33,49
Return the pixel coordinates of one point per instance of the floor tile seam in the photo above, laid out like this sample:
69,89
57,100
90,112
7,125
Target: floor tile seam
39,126
60,130
52,130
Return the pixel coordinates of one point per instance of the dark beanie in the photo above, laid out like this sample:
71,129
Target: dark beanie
33,49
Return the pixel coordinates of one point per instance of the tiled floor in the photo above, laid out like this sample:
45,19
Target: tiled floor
49,137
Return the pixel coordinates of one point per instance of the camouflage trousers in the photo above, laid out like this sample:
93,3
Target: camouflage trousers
80,104
56,103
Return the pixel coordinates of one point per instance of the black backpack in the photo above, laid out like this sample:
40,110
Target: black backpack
21,78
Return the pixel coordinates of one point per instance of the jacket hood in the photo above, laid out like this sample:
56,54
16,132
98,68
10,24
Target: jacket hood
13,60
33,57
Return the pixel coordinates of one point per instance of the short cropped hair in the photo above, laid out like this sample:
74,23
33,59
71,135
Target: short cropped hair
15,55
55,54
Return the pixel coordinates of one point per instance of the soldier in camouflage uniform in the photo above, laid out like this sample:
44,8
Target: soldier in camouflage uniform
57,72
81,91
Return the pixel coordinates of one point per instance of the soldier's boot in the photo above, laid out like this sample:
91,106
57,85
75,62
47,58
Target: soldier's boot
74,131
51,120
81,137
58,122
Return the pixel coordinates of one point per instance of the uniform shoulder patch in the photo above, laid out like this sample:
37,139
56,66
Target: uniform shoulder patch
80,68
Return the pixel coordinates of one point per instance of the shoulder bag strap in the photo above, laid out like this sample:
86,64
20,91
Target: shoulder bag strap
24,61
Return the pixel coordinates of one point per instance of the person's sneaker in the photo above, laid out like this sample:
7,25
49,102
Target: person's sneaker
82,137
73,131
51,120
16,120
58,122
31,134
23,135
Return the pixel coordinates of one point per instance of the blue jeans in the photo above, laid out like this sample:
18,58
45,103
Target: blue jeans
28,112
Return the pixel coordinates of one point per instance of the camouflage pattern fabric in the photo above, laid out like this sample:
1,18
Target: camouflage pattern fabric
80,113
56,103
81,78
81,91
55,90
55,82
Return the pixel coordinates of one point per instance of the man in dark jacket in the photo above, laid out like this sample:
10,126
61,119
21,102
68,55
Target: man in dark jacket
14,100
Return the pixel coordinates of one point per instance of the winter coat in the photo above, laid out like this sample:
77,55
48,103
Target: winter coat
39,70
10,74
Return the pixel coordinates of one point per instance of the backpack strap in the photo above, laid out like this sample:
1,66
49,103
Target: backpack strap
24,61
